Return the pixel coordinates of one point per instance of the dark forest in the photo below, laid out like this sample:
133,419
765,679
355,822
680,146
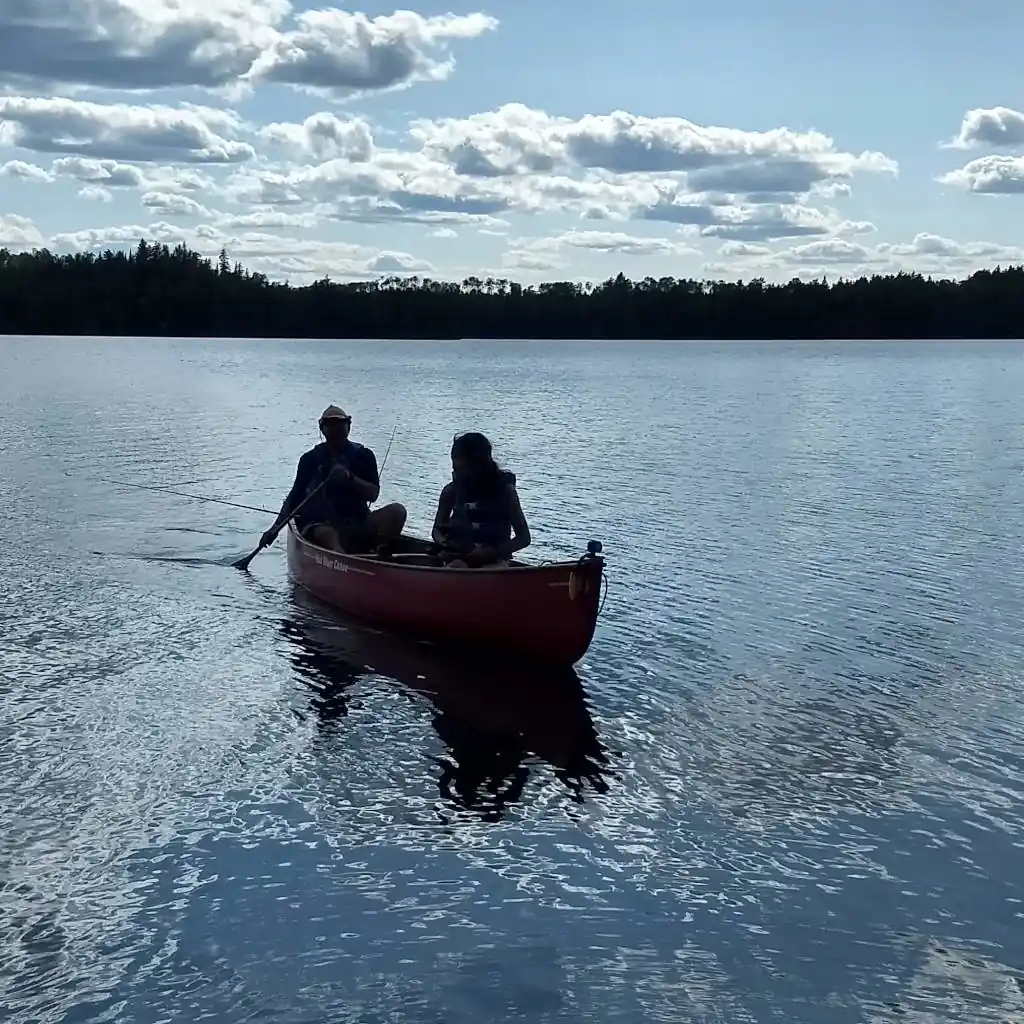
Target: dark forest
154,290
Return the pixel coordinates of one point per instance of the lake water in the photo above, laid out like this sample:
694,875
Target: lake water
786,786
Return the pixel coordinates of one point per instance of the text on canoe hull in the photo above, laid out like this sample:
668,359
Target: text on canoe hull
329,561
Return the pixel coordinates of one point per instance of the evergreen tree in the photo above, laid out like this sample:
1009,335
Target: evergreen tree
154,290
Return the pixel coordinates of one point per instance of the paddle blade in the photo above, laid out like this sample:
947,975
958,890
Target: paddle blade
243,563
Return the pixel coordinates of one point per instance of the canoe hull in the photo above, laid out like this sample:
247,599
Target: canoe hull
544,612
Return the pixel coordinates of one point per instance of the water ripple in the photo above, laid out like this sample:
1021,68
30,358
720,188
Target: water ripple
785,783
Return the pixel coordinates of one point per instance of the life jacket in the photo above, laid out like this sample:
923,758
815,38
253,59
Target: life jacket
476,521
337,502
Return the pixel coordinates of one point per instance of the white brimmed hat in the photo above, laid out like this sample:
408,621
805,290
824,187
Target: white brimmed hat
335,412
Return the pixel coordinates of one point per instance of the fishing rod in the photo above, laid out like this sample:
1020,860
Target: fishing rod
203,497
387,451
242,563
169,490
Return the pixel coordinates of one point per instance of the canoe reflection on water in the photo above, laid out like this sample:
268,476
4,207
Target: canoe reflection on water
493,715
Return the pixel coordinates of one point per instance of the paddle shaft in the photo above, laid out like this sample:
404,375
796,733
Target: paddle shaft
243,563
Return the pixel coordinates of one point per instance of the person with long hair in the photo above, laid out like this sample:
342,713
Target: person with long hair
479,518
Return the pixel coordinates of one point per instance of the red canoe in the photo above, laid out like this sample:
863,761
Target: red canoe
546,612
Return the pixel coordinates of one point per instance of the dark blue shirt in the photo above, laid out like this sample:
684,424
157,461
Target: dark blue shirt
337,502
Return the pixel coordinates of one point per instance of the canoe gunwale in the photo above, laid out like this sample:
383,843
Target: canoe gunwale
516,567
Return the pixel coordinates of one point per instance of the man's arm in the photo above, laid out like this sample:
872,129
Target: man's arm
364,479
445,504
292,499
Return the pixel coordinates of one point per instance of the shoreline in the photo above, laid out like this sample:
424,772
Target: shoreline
249,339
153,291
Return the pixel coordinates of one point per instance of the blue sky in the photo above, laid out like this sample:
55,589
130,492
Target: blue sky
523,140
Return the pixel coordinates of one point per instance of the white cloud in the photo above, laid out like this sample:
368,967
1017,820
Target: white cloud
119,131
119,237
603,241
419,207
345,53
267,188
323,136
267,217
110,173
96,194
549,254
174,204
926,253
991,126
397,263
214,44
180,179
617,167
752,222
17,232
619,174
995,173
726,181
516,139
135,44
992,175
936,249
303,260
743,250
25,172
395,187
531,262
429,186
300,260
828,251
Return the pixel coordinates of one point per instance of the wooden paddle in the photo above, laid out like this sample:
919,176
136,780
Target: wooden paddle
243,563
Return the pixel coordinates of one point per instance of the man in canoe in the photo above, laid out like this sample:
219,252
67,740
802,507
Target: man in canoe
340,479
479,518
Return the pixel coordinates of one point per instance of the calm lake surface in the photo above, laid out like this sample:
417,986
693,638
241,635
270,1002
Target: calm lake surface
788,784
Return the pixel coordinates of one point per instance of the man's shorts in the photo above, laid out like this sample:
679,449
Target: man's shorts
357,538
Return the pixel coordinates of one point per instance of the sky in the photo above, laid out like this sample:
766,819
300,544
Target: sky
523,140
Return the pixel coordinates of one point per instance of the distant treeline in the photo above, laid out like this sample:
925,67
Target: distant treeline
155,290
